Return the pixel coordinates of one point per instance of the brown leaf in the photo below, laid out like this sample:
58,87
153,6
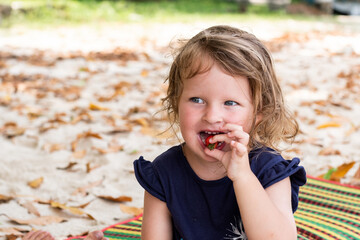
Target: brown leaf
121,85
112,97
357,174
87,134
341,171
5,100
328,124
142,122
131,210
4,198
95,107
136,110
31,208
90,167
329,151
11,237
10,129
352,129
122,129
52,147
156,133
79,154
83,190
116,199
12,231
36,182
73,210
111,149
68,167
83,116
144,73
40,221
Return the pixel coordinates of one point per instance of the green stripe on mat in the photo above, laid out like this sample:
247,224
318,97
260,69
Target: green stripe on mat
326,211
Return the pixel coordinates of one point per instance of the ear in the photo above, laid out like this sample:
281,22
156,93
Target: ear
258,118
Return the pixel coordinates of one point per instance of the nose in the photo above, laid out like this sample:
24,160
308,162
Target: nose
213,114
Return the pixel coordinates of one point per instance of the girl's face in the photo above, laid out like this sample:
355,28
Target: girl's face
210,100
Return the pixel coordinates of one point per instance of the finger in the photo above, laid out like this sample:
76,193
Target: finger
38,235
220,138
214,153
240,149
95,235
239,136
236,132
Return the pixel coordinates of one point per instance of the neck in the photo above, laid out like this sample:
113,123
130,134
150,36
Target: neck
205,170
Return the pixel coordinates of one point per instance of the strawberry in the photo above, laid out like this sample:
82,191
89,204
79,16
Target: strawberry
209,145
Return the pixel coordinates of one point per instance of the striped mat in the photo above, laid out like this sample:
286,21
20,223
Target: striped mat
327,210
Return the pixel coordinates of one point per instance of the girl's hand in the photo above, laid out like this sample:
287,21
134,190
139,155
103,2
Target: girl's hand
38,234
234,156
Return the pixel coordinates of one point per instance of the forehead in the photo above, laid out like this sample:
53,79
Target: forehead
217,82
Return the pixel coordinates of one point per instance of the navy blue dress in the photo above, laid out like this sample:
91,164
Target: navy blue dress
208,209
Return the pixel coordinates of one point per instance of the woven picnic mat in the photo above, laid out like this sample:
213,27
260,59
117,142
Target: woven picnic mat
327,210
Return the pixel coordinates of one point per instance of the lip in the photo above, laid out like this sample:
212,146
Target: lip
202,135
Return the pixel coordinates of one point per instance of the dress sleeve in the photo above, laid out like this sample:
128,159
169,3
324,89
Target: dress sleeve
278,169
148,178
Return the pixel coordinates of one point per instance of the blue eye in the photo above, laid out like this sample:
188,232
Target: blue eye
231,103
196,100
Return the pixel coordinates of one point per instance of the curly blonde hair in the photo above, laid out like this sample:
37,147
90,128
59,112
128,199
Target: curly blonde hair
238,53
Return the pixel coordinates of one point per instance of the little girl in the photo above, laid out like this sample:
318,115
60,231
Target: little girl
227,179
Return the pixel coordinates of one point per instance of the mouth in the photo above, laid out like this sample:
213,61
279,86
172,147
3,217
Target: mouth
206,135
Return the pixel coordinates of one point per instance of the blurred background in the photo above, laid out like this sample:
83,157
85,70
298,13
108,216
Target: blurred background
80,11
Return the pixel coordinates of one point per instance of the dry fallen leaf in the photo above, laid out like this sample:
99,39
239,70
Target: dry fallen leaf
83,116
36,182
341,171
329,124
90,167
329,151
4,198
357,174
73,210
30,207
40,221
111,149
95,107
83,190
87,134
79,154
131,210
10,129
12,231
52,147
124,129
156,133
142,122
145,73
68,167
117,199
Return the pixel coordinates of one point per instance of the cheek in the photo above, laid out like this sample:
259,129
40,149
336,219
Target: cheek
243,119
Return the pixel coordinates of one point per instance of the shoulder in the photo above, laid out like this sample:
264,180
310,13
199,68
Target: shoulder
270,167
153,176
